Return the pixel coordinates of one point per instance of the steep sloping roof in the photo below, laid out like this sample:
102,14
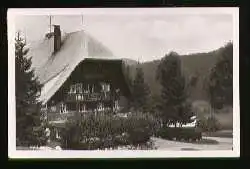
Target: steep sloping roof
53,70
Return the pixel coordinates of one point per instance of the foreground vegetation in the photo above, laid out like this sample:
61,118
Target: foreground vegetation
180,134
29,127
104,131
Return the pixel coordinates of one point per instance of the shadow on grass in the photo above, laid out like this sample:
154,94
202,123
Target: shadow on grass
188,149
23,148
206,141
202,141
223,134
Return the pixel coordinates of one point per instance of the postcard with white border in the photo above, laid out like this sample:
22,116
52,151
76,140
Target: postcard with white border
123,83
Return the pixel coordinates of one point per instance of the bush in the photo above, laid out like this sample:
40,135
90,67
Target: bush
70,136
225,120
106,131
140,127
180,133
209,124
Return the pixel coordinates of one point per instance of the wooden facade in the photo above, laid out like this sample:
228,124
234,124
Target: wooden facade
95,86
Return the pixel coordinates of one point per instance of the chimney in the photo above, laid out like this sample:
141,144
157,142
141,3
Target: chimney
57,38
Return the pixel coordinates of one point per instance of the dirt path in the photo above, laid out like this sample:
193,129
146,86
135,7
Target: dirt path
224,144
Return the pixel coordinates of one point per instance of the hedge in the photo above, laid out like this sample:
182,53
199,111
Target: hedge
180,133
106,131
209,124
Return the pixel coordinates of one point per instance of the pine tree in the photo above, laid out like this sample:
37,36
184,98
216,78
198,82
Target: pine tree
220,85
29,130
129,83
140,91
174,107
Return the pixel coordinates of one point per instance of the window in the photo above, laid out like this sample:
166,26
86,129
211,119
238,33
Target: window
76,88
82,108
105,87
100,107
79,88
93,88
108,87
63,108
72,89
53,108
79,97
117,105
87,88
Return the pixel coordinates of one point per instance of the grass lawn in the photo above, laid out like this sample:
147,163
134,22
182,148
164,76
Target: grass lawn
206,141
202,141
205,144
221,133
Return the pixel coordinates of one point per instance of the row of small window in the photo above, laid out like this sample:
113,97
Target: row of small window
62,109
94,96
82,107
79,88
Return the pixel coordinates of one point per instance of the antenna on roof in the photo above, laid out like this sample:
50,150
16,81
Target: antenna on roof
85,38
50,24
138,61
24,35
82,20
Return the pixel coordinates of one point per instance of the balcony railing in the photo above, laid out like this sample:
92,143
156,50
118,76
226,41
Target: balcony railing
88,97
59,116
62,117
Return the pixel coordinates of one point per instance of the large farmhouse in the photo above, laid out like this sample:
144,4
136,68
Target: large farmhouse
79,75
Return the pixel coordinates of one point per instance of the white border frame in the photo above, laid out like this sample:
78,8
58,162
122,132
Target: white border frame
13,153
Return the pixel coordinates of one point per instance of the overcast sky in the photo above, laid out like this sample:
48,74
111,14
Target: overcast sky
147,37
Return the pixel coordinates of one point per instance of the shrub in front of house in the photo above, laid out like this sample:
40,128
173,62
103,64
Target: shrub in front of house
209,124
70,136
140,127
189,134
107,131
166,133
180,133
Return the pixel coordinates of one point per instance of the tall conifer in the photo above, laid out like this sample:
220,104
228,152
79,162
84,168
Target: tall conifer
29,130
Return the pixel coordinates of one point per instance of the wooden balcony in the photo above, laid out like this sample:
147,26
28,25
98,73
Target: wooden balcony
73,97
52,117
63,117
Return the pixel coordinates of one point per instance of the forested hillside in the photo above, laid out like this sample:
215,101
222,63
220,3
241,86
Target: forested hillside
194,66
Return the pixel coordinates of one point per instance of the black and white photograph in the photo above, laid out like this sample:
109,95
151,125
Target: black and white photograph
121,83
